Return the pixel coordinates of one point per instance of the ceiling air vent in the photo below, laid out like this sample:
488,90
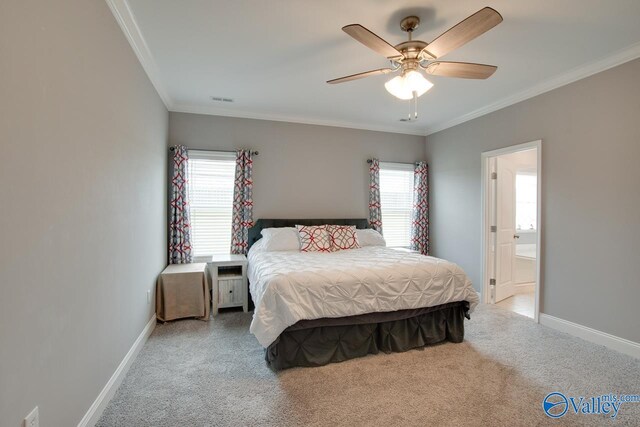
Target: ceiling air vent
219,99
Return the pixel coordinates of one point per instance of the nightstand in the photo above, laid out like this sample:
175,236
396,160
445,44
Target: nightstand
182,291
229,286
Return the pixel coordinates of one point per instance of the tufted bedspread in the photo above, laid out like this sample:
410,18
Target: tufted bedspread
290,286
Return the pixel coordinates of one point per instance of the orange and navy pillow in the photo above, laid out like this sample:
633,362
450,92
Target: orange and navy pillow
314,238
343,237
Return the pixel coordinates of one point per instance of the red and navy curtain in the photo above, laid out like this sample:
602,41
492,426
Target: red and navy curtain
179,225
242,203
420,222
375,214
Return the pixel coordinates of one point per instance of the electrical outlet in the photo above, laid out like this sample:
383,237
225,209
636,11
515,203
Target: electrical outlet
148,296
33,419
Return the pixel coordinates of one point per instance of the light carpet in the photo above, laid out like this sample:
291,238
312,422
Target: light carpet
194,373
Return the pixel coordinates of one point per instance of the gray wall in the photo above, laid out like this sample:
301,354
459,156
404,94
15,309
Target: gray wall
302,171
83,137
590,200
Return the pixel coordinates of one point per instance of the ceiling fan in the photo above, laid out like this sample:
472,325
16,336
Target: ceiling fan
411,56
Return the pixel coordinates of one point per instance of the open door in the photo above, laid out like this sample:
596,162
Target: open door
506,228
511,228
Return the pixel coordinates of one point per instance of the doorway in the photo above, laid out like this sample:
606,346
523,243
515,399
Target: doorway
512,228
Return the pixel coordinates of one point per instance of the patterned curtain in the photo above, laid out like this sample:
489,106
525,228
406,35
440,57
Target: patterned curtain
420,223
179,225
375,215
242,203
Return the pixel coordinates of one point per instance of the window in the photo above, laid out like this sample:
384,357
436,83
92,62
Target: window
526,200
396,200
211,180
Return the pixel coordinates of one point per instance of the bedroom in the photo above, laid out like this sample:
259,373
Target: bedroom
96,92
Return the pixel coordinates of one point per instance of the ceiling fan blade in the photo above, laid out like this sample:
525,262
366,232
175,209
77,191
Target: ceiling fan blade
361,75
465,31
463,70
371,40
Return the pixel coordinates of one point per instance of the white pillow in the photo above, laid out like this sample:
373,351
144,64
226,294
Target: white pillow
370,237
280,239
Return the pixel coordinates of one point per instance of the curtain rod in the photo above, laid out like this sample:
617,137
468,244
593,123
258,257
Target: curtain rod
404,163
255,153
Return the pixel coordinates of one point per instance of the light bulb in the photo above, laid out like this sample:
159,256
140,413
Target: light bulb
403,86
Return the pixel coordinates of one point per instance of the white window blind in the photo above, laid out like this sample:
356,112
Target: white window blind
396,200
211,179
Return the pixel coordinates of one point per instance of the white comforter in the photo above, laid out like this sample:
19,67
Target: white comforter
290,286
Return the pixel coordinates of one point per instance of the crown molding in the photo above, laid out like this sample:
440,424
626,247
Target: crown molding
618,58
123,14
127,21
213,111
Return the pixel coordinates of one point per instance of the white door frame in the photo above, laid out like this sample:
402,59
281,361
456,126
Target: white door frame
486,231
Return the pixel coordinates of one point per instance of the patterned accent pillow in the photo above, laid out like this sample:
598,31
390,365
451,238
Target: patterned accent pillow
343,237
314,238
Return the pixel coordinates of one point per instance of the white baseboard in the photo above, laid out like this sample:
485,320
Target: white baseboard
95,411
597,337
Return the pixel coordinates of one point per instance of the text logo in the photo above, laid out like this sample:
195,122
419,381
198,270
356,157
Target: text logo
556,404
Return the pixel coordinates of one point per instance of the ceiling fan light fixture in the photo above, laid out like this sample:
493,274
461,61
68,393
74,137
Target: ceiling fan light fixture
405,85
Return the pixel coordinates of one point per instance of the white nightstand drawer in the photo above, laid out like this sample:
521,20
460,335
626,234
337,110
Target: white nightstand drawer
230,292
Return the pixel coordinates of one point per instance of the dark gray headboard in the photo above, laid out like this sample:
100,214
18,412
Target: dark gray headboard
254,232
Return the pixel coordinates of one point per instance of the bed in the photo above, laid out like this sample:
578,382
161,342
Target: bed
313,308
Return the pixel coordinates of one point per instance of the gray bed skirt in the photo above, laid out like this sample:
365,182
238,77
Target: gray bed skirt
322,341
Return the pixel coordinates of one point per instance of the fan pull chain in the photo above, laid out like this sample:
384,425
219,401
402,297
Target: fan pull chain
413,105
